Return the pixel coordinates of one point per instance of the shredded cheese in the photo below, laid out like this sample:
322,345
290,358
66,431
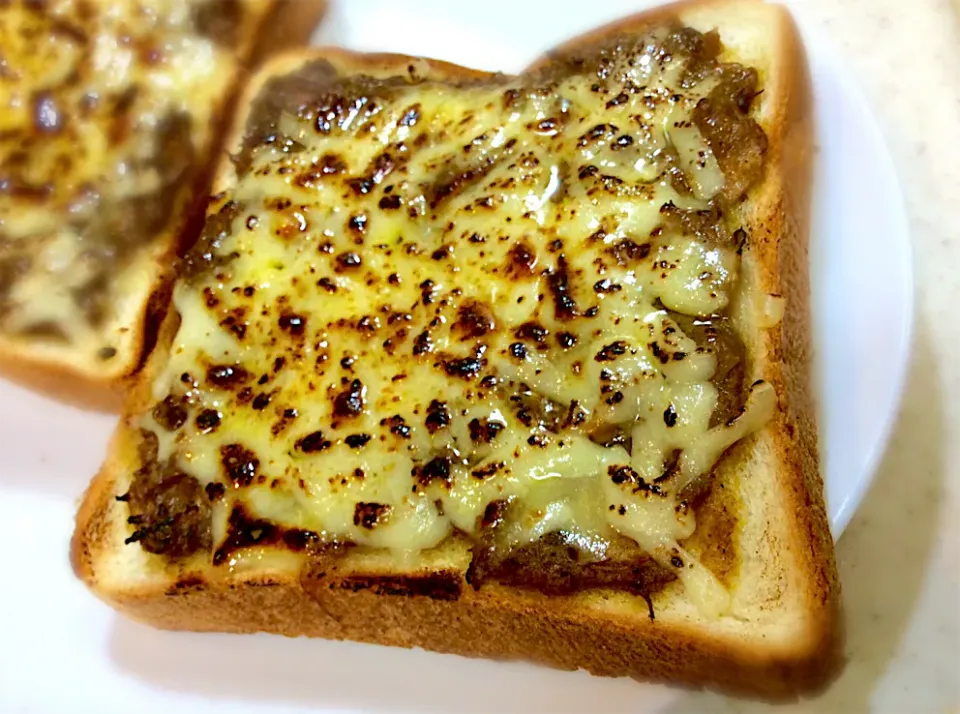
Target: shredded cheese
428,296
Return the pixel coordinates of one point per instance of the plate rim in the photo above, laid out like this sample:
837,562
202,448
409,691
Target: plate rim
817,45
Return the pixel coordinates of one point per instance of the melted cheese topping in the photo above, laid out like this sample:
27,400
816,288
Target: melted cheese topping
106,108
429,296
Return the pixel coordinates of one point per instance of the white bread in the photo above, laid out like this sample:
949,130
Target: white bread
787,637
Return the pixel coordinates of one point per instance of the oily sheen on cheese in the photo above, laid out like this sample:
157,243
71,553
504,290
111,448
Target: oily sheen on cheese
421,298
107,108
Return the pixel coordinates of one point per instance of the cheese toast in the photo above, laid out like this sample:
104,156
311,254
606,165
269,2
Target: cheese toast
502,366
113,113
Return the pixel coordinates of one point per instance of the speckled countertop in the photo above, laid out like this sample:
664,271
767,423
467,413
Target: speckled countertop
900,557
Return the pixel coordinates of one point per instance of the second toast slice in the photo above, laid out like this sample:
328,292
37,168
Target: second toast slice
113,116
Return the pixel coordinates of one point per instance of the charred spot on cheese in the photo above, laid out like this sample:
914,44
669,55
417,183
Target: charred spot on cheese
422,344
240,464
370,515
436,469
509,290
427,291
474,319
313,443
565,307
349,403
227,376
438,416
454,180
397,425
215,491
348,261
610,352
566,340
484,431
261,401
379,168
287,417
245,530
533,331
332,164
627,251
625,476
463,367
390,202
368,323
670,416
521,260
207,420
535,410
357,441
606,286
292,324
170,413
487,470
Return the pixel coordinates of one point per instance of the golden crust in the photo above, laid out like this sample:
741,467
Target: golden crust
785,270
63,382
289,24
495,622
604,633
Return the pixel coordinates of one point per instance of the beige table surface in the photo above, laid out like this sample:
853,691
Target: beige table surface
900,558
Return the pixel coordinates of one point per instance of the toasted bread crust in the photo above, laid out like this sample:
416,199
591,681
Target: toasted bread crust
493,623
607,633
289,24
785,270
64,383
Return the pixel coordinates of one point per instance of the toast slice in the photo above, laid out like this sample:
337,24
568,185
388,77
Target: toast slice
260,479
113,115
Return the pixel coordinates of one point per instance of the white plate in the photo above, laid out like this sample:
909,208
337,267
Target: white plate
63,651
